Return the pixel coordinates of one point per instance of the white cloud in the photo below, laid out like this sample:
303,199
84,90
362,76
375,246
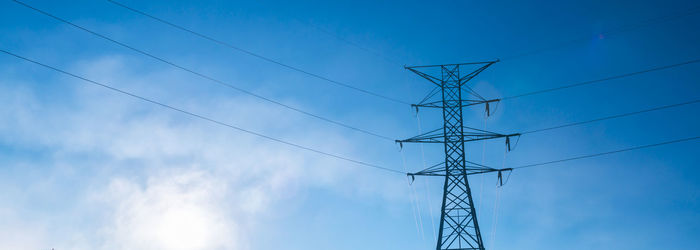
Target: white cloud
161,180
180,210
16,233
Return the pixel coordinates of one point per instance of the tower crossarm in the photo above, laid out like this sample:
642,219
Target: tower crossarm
468,134
471,75
471,168
463,103
439,80
428,77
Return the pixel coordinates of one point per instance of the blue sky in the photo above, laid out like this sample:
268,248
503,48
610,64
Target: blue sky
84,168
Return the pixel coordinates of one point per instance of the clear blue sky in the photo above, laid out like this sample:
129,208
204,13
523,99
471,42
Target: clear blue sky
82,167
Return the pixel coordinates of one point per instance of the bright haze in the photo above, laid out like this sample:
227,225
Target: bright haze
83,166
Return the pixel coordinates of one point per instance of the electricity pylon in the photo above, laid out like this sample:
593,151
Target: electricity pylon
459,227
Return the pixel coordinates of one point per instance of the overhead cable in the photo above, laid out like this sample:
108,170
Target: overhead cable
609,152
669,66
207,77
614,116
259,56
202,117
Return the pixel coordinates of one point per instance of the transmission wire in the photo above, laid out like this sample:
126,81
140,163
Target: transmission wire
483,162
335,156
603,79
610,152
201,116
425,180
410,194
497,205
217,81
613,116
228,45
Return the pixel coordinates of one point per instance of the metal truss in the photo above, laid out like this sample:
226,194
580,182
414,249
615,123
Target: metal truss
467,134
459,227
463,103
471,169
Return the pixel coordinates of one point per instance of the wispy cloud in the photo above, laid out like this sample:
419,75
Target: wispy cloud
151,179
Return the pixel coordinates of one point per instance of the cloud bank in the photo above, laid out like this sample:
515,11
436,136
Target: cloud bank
126,175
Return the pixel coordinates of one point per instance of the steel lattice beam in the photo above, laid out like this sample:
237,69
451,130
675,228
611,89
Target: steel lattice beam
459,227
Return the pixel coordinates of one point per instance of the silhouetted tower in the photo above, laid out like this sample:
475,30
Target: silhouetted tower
459,227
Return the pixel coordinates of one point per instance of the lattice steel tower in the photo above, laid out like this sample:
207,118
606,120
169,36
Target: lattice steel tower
459,227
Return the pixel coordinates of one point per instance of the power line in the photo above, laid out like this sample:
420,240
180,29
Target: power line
603,79
200,116
610,152
248,52
220,82
620,29
325,119
614,116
